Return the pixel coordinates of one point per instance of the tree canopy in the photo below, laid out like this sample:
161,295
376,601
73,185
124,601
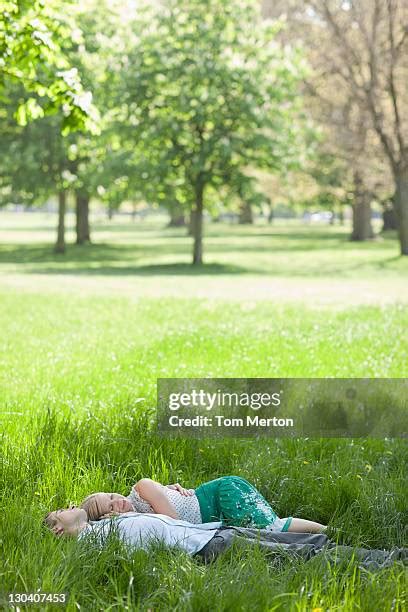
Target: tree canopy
207,92
31,55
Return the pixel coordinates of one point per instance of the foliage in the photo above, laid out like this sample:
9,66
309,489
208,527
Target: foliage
33,156
206,92
31,55
38,160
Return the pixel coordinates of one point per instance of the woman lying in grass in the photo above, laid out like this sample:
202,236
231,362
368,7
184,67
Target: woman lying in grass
229,499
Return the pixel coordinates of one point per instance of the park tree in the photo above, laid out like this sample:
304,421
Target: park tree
95,24
31,56
38,160
97,162
346,125
34,162
38,82
209,92
348,138
243,193
369,55
109,167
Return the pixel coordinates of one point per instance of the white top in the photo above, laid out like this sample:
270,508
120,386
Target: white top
187,506
140,530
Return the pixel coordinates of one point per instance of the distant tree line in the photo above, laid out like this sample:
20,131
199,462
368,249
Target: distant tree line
193,101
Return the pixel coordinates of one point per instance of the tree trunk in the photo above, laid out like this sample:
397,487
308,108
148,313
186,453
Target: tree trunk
110,211
82,218
177,217
245,214
134,212
389,217
362,228
198,224
401,206
190,229
60,244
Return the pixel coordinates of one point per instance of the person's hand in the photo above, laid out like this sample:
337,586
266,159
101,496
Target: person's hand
110,515
180,489
58,531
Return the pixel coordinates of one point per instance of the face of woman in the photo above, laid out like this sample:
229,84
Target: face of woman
104,503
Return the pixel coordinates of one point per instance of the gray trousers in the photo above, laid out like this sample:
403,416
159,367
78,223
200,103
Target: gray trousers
301,545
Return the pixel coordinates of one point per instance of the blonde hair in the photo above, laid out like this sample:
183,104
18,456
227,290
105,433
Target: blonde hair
91,507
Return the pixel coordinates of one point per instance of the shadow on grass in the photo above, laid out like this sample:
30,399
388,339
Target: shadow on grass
12,253
176,269
257,231
83,254
122,259
257,238
104,260
386,262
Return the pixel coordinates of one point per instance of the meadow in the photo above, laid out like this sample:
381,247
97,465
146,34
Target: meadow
84,337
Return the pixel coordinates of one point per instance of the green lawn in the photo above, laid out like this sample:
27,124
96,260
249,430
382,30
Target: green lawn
315,265
84,338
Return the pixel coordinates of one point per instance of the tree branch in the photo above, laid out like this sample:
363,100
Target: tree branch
371,90
351,58
391,76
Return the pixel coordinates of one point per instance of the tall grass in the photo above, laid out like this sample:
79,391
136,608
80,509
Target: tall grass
77,405
357,486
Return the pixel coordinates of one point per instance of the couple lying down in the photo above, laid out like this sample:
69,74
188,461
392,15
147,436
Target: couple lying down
219,513
230,499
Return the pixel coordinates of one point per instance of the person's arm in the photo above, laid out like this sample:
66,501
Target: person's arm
153,492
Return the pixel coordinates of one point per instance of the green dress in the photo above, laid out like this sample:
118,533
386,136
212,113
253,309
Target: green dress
234,501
